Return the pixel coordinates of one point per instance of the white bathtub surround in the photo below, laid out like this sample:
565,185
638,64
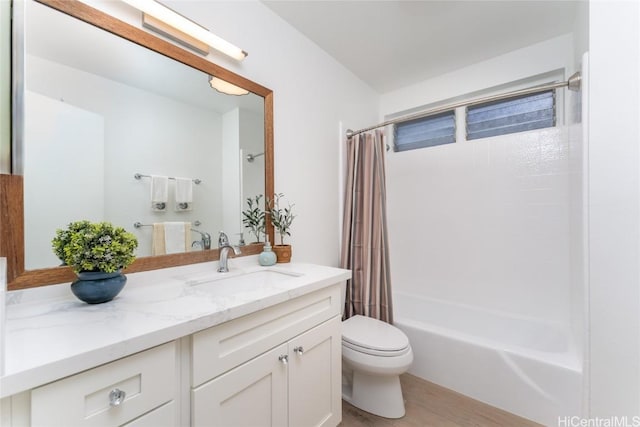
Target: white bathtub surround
520,364
51,335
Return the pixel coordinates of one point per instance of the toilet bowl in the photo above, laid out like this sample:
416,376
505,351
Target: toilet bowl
374,354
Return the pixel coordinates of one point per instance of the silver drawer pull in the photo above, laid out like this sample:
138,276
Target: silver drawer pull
299,350
284,359
116,397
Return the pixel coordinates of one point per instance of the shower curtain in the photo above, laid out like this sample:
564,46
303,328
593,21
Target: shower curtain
365,248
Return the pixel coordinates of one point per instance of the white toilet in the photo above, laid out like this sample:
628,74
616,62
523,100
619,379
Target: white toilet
374,354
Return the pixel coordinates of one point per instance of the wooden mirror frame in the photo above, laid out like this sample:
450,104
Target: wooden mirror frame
11,186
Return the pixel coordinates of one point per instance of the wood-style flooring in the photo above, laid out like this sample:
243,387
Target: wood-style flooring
428,404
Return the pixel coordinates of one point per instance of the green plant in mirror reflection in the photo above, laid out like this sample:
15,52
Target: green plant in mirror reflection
253,217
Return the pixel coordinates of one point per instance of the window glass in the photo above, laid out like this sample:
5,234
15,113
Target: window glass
425,132
511,115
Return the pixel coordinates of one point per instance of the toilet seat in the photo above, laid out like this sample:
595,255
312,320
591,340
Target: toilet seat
374,337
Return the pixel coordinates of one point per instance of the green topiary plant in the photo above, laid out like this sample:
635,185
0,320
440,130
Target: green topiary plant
281,218
253,217
87,246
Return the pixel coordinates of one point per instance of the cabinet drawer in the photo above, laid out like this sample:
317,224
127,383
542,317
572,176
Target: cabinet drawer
148,379
164,416
221,348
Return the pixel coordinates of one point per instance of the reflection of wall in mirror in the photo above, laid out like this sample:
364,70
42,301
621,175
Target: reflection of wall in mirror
252,142
64,172
146,133
243,133
231,174
5,86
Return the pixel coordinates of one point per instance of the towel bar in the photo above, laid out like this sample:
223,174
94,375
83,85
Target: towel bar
140,176
139,224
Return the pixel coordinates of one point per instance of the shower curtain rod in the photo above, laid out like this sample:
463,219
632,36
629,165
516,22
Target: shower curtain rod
573,83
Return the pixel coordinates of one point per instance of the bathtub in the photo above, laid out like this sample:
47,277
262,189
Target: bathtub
525,367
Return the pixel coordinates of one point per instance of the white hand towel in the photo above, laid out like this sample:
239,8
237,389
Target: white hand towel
159,193
184,194
176,237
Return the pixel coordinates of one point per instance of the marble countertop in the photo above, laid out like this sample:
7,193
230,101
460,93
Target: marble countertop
49,334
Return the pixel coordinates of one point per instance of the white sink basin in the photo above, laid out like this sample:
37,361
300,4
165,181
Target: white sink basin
230,283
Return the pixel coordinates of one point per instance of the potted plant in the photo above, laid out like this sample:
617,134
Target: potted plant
253,217
281,218
97,252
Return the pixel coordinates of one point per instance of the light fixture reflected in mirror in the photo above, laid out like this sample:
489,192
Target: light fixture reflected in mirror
225,87
186,26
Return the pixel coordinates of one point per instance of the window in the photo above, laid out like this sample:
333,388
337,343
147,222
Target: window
511,115
425,132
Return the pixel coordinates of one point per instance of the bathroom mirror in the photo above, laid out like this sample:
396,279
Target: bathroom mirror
104,103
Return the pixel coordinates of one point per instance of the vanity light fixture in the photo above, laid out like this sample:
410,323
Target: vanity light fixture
186,26
225,87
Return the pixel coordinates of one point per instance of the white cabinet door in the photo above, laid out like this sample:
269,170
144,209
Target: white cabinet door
253,394
314,376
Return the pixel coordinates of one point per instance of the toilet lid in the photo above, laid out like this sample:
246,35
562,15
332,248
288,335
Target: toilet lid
374,334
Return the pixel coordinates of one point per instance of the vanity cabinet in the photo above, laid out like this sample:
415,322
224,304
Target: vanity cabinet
278,367
138,390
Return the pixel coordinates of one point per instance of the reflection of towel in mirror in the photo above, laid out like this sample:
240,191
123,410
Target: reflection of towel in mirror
184,194
159,193
170,238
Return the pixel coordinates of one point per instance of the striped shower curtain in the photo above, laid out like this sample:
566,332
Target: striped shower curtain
365,248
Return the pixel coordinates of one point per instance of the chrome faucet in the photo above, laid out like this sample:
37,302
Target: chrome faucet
205,240
223,248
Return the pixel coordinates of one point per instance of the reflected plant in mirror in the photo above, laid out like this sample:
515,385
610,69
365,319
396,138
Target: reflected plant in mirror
253,217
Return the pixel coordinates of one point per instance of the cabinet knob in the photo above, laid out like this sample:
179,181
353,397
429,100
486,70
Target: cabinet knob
299,350
284,359
116,397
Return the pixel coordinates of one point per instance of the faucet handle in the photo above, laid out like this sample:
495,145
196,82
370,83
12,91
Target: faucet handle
206,240
223,239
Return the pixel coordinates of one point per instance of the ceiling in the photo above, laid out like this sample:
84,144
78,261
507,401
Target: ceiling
392,44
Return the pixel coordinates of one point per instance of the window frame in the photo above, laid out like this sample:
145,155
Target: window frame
460,112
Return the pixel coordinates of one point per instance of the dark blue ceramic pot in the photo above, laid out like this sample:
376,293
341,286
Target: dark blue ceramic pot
95,287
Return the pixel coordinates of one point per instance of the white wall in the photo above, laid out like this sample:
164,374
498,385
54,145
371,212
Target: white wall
614,214
312,94
485,222
516,66
578,155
